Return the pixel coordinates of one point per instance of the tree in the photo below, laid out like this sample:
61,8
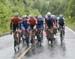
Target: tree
71,8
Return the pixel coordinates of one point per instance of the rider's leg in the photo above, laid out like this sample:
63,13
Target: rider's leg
30,35
64,29
13,32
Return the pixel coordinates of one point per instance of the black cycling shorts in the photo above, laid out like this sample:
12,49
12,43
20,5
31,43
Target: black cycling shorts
15,26
61,24
31,27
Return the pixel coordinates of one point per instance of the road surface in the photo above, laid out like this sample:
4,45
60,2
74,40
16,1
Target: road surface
66,51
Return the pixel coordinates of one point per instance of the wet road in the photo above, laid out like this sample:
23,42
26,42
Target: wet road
66,51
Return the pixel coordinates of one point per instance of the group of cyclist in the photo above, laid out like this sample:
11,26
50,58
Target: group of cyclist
32,24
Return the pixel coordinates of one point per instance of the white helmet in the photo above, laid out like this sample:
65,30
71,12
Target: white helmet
60,15
16,14
49,14
25,17
53,16
40,17
30,16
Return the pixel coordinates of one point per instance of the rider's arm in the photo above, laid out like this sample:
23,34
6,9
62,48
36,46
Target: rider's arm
19,25
64,23
19,19
35,23
46,25
64,20
35,20
28,21
11,24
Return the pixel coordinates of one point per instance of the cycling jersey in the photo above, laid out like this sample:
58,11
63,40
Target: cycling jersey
15,20
32,22
24,25
61,21
40,24
14,23
49,22
54,18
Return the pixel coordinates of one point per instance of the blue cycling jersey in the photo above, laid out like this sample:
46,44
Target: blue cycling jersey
40,24
24,25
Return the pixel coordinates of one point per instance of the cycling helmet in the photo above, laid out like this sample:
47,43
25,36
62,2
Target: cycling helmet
25,16
16,14
61,15
31,16
49,14
40,17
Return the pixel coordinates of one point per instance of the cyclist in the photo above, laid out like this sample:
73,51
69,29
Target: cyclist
61,22
40,22
14,25
32,23
48,21
24,26
15,20
40,25
49,28
24,23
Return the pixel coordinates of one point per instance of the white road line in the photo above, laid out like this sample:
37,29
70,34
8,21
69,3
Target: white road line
70,30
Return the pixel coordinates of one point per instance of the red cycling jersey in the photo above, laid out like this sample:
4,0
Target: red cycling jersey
15,20
32,21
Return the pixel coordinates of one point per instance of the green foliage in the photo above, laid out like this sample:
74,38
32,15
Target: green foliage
34,7
57,6
71,8
8,7
70,11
